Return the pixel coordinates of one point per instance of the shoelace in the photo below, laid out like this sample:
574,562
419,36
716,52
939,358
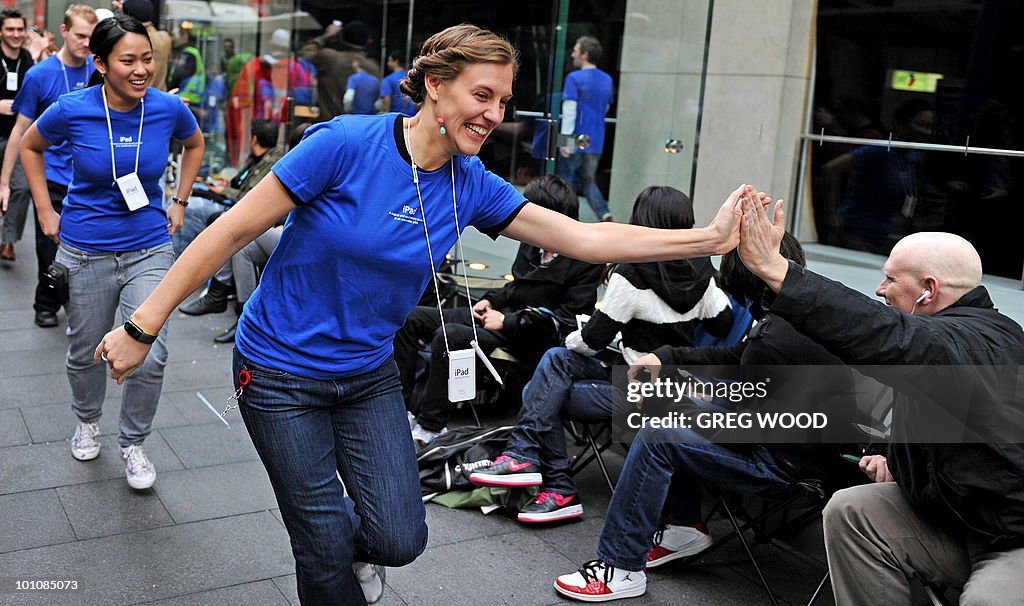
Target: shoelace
89,432
136,458
589,571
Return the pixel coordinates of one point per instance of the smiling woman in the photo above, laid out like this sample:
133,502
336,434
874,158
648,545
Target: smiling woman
113,232
325,398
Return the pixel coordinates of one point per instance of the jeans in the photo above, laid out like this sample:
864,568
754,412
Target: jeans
99,284
579,169
46,251
196,219
660,484
565,384
307,431
424,324
18,203
245,262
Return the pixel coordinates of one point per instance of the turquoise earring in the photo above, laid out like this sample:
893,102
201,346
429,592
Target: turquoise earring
440,123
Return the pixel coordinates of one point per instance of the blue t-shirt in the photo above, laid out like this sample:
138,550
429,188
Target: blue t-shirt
367,89
591,89
400,102
95,216
352,261
43,84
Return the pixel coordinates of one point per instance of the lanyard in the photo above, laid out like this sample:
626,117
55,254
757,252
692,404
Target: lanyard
17,67
64,71
110,132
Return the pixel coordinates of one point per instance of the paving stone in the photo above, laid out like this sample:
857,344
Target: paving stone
261,593
38,466
212,492
213,444
198,375
50,422
161,563
453,574
35,389
448,526
286,585
100,509
34,338
13,431
32,519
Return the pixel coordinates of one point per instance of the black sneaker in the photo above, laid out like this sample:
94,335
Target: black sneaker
551,507
507,471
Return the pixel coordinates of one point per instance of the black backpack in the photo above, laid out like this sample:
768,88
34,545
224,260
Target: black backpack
446,462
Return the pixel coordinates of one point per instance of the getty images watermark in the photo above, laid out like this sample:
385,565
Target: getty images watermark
823,404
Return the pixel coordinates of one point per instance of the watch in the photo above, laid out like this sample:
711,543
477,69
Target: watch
179,201
135,332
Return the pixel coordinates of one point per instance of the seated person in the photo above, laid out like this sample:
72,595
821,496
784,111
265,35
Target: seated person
651,304
655,513
543,279
265,152
947,512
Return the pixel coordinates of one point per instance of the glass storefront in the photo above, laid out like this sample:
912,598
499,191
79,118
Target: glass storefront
917,125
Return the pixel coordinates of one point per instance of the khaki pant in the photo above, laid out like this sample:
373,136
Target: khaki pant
876,544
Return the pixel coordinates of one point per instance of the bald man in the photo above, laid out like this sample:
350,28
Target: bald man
940,511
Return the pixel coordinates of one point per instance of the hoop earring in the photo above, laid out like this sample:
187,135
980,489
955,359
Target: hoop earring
440,123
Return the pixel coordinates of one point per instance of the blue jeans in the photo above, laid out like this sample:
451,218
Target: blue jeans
565,384
660,484
307,431
100,284
579,170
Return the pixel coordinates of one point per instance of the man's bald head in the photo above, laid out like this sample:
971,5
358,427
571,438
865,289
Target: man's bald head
944,265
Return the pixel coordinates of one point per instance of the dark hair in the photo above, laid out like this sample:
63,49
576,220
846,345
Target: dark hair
296,137
662,207
906,112
12,13
265,132
398,56
591,46
743,285
446,53
109,32
140,9
553,193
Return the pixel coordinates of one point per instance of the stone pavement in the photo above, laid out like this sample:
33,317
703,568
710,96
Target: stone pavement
209,532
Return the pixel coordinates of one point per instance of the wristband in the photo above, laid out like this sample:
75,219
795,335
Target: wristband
135,331
179,201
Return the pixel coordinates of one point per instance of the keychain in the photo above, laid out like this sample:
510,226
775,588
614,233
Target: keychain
244,378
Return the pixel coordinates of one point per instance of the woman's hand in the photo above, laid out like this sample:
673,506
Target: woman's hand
49,222
122,354
726,224
175,218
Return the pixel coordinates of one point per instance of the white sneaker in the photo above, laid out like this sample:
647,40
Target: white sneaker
674,542
84,445
426,437
596,581
412,420
137,467
371,580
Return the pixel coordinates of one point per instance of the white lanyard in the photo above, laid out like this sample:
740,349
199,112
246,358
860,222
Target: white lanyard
110,132
17,66
458,235
64,71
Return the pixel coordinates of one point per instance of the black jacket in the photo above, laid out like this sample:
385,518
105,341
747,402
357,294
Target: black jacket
653,306
565,286
972,488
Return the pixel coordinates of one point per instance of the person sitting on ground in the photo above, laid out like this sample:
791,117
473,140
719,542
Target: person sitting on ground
265,153
542,279
659,490
651,304
950,512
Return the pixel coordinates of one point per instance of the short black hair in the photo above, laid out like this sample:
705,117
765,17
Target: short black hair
397,56
743,285
109,32
11,13
553,193
265,131
662,207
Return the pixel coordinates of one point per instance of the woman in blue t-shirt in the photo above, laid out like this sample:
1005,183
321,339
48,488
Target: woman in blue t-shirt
373,205
114,235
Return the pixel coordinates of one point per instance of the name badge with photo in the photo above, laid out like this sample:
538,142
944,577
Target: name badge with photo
12,81
132,191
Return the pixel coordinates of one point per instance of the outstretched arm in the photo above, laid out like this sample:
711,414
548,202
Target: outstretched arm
617,242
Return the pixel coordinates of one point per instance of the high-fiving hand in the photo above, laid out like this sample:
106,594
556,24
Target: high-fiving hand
760,239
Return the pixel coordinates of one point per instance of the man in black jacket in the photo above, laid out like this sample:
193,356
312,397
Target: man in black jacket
944,512
564,287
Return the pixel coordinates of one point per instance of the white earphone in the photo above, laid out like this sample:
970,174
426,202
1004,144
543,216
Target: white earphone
927,293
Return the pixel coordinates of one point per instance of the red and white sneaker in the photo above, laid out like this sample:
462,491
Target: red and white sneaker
596,581
506,471
552,507
674,542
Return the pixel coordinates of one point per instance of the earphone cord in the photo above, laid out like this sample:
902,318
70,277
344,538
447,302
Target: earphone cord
426,233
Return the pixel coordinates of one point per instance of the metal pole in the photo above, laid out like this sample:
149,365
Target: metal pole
384,38
408,33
